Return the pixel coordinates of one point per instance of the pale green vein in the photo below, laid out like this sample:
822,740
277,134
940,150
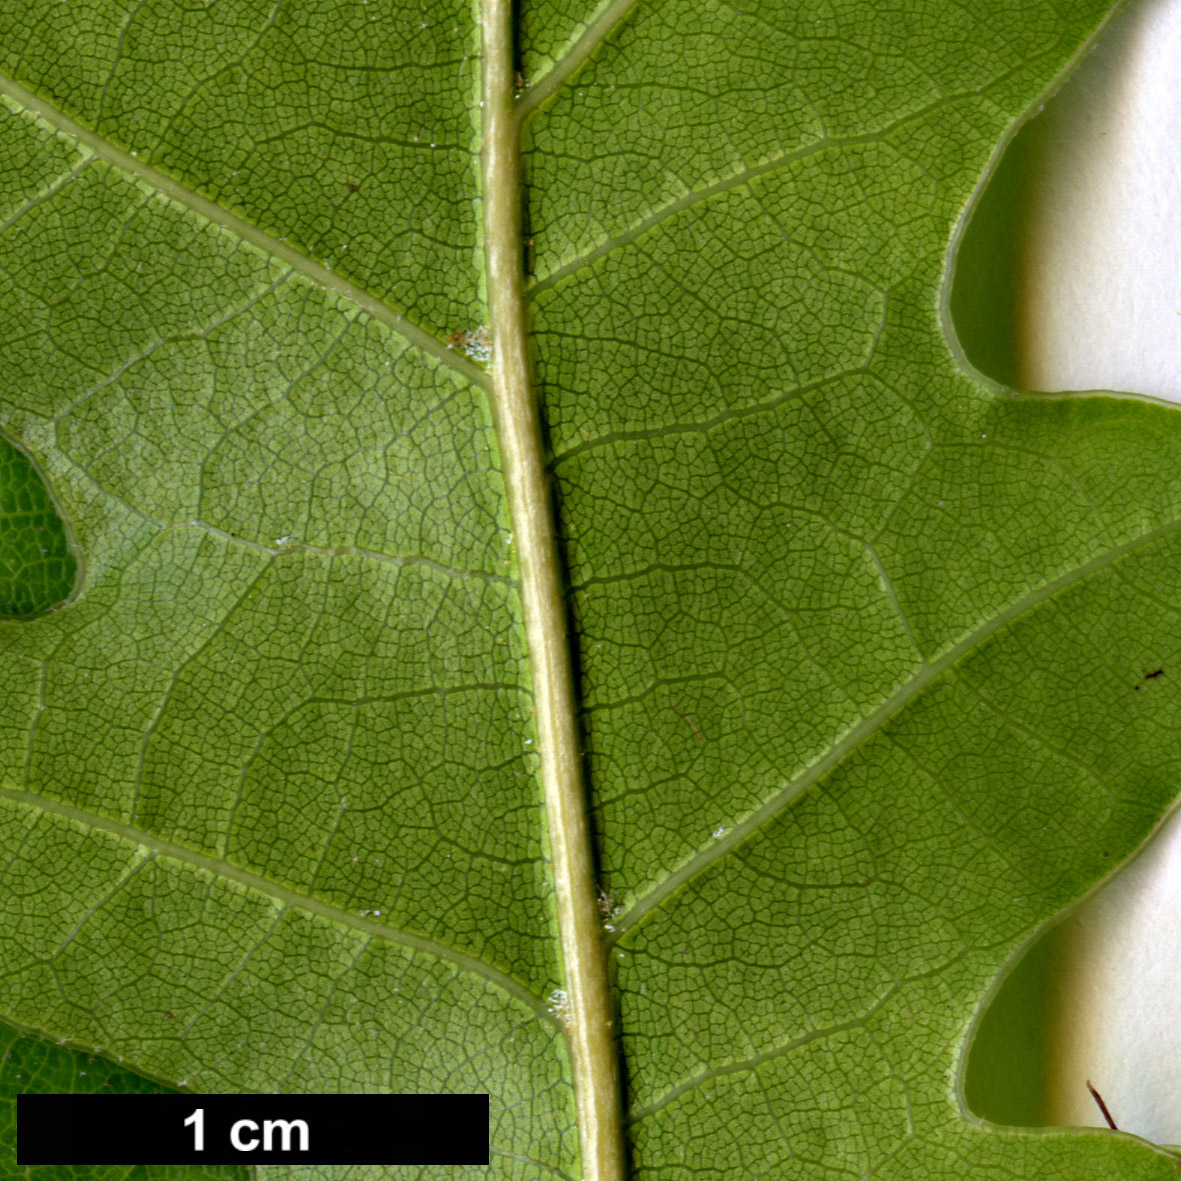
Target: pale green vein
887,585
288,897
592,1039
859,734
244,963
108,896
317,272
284,546
200,332
314,1027
687,200
45,194
746,1065
743,176
603,25
703,427
521,1158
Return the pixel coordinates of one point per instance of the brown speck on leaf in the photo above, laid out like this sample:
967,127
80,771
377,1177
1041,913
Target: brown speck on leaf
1156,672
693,725
476,342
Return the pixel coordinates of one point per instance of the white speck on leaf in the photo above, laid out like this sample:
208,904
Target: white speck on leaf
558,1004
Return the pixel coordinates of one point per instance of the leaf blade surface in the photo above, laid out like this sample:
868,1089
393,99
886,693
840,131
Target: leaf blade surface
804,547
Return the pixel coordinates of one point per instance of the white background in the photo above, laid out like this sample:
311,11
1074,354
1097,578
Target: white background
1102,310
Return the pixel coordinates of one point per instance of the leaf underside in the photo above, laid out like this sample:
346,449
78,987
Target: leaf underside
33,1065
856,633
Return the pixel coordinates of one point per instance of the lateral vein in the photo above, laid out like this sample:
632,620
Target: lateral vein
304,264
288,897
601,27
871,724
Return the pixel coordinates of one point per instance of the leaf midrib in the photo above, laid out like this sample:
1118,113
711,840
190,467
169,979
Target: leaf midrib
591,1037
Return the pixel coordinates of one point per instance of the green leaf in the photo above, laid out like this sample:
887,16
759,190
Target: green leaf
37,569
33,1065
292,791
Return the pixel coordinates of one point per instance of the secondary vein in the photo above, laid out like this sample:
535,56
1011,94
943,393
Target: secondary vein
854,738
603,25
288,897
305,265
